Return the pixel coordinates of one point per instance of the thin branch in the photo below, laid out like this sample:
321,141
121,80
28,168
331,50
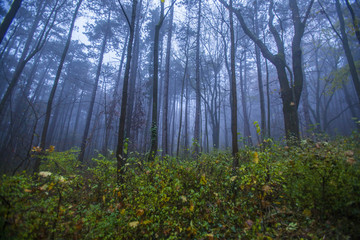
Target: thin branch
328,18
126,16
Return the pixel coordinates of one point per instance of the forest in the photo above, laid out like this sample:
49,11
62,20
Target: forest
180,119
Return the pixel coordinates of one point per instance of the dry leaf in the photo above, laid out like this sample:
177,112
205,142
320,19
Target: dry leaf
134,224
139,212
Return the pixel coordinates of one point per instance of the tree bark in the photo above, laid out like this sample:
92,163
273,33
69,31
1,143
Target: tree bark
121,133
9,18
197,87
233,94
348,54
165,134
259,73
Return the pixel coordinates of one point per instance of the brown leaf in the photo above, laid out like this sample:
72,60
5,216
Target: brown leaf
139,212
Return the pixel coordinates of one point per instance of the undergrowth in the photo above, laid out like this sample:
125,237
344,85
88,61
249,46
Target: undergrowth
307,191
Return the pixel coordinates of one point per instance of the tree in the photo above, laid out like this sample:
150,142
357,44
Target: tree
154,122
121,133
290,90
165,134
9,18
95,86
53,90
26,56
197,86
233,92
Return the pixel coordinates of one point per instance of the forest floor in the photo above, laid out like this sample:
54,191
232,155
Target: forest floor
307,191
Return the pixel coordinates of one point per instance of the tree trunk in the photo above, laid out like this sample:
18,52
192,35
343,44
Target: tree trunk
348,54
84,140
121,133
9,18
154,123
53,90
247,133
165,134
259,73
197,87
133,74
233,93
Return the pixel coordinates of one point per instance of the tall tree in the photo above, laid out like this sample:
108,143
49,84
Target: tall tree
55,84
94,90
259,73
9,18
197,85
345,42
154,118
233,92
121,133
27,56
290,90
165,134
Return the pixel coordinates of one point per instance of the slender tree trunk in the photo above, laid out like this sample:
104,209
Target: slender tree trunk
121,133
259,73
197,87
115,100
181,105
268,100
133,74
355,20
348,54
84,140
165,135
247,133
233,93
9,18
77,119
21,64
154,123
186,127
53,90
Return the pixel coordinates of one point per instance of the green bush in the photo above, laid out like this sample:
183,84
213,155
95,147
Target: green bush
306,191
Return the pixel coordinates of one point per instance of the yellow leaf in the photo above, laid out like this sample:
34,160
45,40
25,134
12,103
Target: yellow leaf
139,212
233,178
134,224
122,211
27,190
36,149
210,236
51,148
183,198
191,207
119,194
256,157
162,1
51,186
203,180
103,198
146,222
